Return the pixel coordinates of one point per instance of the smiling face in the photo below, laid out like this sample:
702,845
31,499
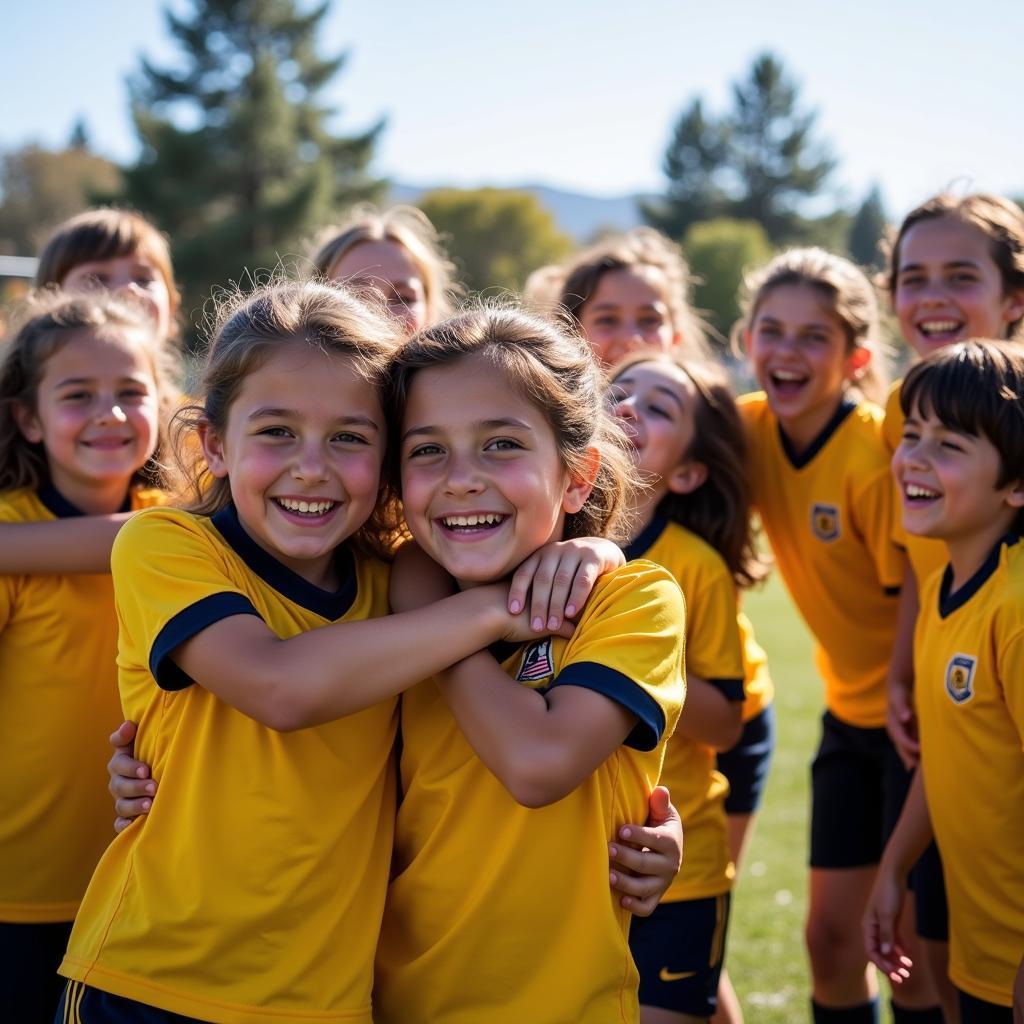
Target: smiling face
949,288
302,451
801,358
387,266
96,416
626,312
134,275
483,485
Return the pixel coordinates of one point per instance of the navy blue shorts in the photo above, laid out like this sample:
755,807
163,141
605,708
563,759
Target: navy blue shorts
858,785
82,1004
977,1011
29,957
679,951
746,765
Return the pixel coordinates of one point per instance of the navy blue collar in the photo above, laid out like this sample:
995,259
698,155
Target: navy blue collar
645,539
798,461
286,582
63,509
950,602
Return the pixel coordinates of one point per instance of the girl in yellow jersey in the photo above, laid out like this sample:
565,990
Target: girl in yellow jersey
956,271
85,396
693,517
254,637
820,478
504,444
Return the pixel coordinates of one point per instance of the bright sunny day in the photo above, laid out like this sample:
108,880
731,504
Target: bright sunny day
511,513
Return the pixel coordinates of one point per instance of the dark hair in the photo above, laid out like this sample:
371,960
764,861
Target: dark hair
719,511
1000,220
555,370
975,387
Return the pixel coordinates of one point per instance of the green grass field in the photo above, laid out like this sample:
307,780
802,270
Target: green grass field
766,954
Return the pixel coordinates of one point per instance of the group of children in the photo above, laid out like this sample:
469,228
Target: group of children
401,703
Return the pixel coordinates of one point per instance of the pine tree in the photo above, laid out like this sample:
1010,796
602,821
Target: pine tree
867,229
238,160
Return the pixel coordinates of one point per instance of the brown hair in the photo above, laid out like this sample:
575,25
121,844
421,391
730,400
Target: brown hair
104,234
50,320
1000,220
719,511
846,290
406,226
555,370
249,330
975,387
572,285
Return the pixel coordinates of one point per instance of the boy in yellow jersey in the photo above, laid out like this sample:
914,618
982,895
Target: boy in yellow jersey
960,467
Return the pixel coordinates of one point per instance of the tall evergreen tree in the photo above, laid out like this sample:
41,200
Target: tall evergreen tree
867,229
238,159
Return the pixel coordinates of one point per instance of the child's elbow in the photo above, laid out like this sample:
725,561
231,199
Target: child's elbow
538,784
730,732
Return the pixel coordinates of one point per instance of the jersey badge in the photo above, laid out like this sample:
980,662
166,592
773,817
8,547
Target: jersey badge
960,677
537,662
825,521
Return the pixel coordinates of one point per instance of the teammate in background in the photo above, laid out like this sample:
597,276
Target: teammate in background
956,271
398,253
820,479
960,469
85,395
693,517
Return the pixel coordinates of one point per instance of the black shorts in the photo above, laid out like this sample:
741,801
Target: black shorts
679,951
81,1004
931,911
30,955
746,765
858,785
977,1011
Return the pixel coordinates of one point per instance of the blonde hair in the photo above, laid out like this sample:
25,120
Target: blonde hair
554,369
105,233
1001,221
405,226
848,293
571,285
249,330
50,320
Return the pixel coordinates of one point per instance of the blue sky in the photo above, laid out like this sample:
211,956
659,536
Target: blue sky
580,94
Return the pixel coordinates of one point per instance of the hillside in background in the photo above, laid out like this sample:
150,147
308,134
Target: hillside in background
578,215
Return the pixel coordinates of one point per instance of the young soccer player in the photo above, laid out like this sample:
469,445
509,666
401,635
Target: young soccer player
253,634
693,517
85,395
821,485
397,252
956,270
961,475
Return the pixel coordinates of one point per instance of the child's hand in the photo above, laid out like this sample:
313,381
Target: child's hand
130,784
650,856
559,578
881,936
901,723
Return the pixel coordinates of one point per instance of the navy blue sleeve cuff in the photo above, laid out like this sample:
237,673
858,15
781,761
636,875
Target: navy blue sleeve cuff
891,591
623,690
731,689
185,625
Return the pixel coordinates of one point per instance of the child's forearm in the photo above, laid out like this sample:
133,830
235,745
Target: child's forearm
75,545
708,717
913,831
539,746
901,665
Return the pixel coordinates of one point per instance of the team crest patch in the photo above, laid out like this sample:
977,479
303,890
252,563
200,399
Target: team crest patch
960,678
537,662
825,521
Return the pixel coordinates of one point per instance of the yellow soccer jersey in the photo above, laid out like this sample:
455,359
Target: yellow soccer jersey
828,515
502,913
254,888
925,554
758,689
714,653
969,671
58,677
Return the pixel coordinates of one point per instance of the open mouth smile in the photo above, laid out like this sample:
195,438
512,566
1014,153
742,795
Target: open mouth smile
311,510
472,524
918,495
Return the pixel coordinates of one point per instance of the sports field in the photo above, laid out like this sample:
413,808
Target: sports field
766,956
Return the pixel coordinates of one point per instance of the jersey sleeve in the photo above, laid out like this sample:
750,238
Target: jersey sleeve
170,583
629,646
1011,671
714,648
874,508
